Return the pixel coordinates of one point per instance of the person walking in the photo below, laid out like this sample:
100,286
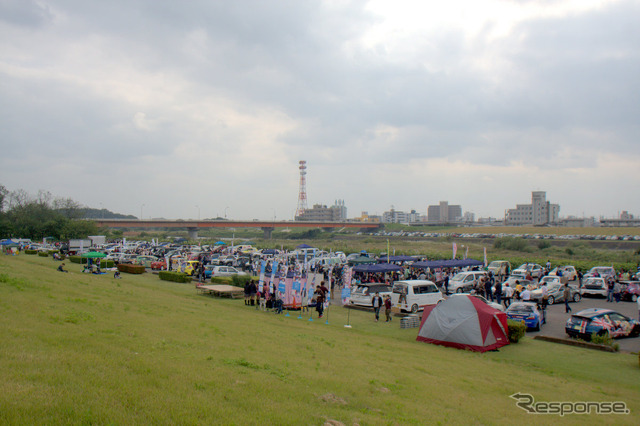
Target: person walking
376,302
566,294
319,296
387,307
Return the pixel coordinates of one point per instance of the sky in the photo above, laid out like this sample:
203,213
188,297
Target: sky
203,109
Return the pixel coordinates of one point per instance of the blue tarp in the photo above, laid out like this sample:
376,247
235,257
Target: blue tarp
8,243
304,246
380,267
450,263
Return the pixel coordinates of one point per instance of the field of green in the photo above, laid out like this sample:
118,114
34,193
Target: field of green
88,349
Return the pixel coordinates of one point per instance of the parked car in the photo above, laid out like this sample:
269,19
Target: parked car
494,305
363,293
526,312
566,273
631,290
601,272
533,269
499,267
464,282
555,290
145,261
593,286
159,264
600,322
225,271
413,295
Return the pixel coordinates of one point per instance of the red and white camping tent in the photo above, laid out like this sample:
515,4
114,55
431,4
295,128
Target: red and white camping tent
464,322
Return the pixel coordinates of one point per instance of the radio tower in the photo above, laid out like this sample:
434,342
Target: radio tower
302,193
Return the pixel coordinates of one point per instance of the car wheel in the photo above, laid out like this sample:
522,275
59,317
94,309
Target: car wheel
634,297
414,308
459,290
576,297
551,300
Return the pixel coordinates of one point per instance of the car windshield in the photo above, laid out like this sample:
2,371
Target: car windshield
520,308
495,264
400,288
459,276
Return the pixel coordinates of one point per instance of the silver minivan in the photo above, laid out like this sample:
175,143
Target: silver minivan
413,295
363,294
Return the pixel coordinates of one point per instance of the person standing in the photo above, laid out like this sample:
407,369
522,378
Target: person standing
387,307
498,292
376,302
566,293
545,295
610,286
487,288
446,284
508,294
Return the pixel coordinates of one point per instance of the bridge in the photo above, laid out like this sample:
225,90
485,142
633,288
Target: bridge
193,225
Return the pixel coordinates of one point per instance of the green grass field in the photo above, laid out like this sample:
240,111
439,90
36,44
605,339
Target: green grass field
86,349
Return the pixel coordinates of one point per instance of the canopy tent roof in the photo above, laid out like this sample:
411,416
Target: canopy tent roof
220,243
450,263
361,259
398,258
304,246
375,268
9,243
93,254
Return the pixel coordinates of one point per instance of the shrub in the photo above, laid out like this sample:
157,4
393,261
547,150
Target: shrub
131,269
509,243
27,251
177,277
54,251
604,339
222,280
517,330
43,254
104,263
77,259
240,280
544,245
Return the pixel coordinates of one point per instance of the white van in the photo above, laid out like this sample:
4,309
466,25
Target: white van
415,294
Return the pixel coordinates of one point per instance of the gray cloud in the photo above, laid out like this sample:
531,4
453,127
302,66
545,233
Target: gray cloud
167,94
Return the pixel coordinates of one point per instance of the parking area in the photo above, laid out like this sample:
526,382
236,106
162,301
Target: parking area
556,319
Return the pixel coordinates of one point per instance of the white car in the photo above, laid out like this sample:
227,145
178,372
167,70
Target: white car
569,273
225,271
464,282
535,270
594,286
601,272
363,294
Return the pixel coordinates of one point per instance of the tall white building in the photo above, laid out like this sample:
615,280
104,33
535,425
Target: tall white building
539,212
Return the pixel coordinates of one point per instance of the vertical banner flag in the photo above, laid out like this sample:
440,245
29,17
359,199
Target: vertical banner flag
485,257
466,252
346,290
455,250
274,269
263,268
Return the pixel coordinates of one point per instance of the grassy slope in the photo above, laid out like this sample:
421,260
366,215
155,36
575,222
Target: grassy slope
90,349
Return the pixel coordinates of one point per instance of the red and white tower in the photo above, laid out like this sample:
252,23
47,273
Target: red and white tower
302,193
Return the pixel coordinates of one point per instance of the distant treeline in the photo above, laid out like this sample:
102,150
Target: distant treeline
41,216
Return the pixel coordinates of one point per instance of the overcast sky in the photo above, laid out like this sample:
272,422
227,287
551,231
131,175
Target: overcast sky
205,107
